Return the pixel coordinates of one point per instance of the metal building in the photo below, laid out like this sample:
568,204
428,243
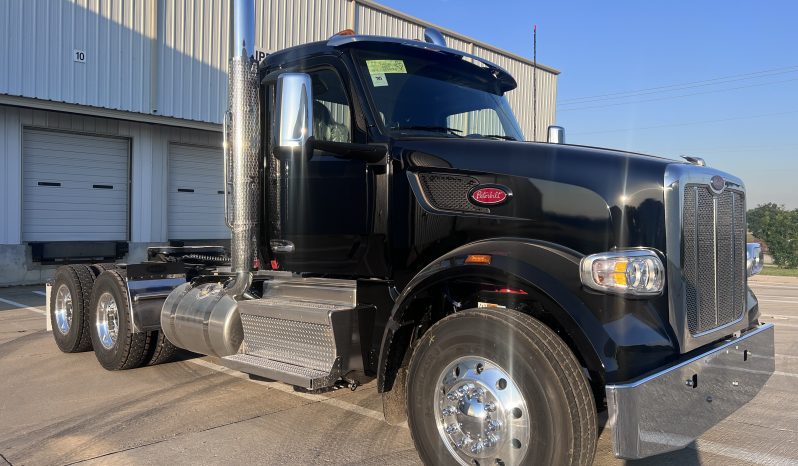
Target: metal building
110,116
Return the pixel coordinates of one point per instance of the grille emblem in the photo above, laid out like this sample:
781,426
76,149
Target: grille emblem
490,195
717,183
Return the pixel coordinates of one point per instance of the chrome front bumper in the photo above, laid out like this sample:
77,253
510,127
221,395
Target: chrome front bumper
666,411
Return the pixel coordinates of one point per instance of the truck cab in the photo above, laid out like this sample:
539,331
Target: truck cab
389,221
343,206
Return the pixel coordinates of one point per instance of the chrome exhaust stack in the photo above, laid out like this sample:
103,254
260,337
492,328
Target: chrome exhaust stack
242,164
204,317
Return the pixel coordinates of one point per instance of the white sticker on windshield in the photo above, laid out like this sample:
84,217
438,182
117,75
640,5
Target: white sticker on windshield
379,79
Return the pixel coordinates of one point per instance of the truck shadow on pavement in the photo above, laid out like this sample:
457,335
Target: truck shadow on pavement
687,456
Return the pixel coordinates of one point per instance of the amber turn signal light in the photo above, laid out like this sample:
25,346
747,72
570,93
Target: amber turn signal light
483,259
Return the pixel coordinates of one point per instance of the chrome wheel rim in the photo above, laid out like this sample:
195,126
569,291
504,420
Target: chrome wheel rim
481,414
107,320
63,309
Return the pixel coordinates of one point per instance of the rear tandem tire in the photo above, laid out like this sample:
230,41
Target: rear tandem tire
69,304
479,361
100,268
161,349
115,346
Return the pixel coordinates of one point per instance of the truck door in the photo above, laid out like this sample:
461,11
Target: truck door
325,201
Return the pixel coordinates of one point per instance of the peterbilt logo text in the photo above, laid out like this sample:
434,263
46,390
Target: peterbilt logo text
490,195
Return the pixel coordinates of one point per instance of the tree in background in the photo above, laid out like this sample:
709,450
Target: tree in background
778,228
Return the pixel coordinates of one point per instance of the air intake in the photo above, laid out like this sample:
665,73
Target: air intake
434,36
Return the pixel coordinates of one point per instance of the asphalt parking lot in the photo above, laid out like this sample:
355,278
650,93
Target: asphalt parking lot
65,409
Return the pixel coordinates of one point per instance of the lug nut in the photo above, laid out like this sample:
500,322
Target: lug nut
490,407
494,425
448,411
477,447
452,428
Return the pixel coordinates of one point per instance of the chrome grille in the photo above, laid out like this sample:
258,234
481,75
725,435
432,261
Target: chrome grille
713,257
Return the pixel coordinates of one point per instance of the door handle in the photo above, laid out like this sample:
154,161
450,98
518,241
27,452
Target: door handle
281,246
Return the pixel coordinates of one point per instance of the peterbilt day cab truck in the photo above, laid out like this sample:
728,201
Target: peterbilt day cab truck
388,222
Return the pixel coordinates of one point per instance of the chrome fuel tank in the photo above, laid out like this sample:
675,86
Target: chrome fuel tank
203,319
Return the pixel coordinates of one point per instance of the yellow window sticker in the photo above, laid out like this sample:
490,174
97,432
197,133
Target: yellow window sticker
386,66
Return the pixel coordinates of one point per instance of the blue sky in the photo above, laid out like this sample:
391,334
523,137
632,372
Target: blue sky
745,123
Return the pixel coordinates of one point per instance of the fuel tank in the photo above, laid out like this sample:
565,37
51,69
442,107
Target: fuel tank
203,319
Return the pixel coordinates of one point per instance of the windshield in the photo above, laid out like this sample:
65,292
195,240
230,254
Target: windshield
422,92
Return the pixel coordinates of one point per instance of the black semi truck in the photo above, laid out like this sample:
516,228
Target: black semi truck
389,222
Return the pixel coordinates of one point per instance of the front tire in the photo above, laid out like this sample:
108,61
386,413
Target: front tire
498,387
115,346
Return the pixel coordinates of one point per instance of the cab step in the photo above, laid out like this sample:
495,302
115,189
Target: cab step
302,332
304,377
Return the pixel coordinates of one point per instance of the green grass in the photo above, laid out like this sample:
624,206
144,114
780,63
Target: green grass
777,272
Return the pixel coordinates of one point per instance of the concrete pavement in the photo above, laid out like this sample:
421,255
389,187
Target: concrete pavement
65,409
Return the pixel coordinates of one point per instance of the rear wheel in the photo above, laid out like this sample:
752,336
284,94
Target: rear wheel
115,346
498,388
69,303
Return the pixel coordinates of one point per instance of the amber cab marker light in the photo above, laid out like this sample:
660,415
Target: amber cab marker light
345,32
478,259
509,291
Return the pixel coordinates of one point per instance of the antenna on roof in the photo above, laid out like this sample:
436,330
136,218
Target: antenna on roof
434,36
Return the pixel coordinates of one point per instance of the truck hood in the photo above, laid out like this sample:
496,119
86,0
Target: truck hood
588,199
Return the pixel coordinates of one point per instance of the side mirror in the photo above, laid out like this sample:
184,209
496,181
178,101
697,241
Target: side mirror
293,121
754,258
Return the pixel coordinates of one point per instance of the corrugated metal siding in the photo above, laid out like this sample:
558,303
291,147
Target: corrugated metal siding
192,59
169,57
297,22
373,21
193,51
37,38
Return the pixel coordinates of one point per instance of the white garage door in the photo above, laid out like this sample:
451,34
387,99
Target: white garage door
75,187
196,203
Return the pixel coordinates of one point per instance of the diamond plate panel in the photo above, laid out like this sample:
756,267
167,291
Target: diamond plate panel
278,366
300,343
282,302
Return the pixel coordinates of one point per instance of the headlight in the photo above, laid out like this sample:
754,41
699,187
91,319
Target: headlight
754,258
631,272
